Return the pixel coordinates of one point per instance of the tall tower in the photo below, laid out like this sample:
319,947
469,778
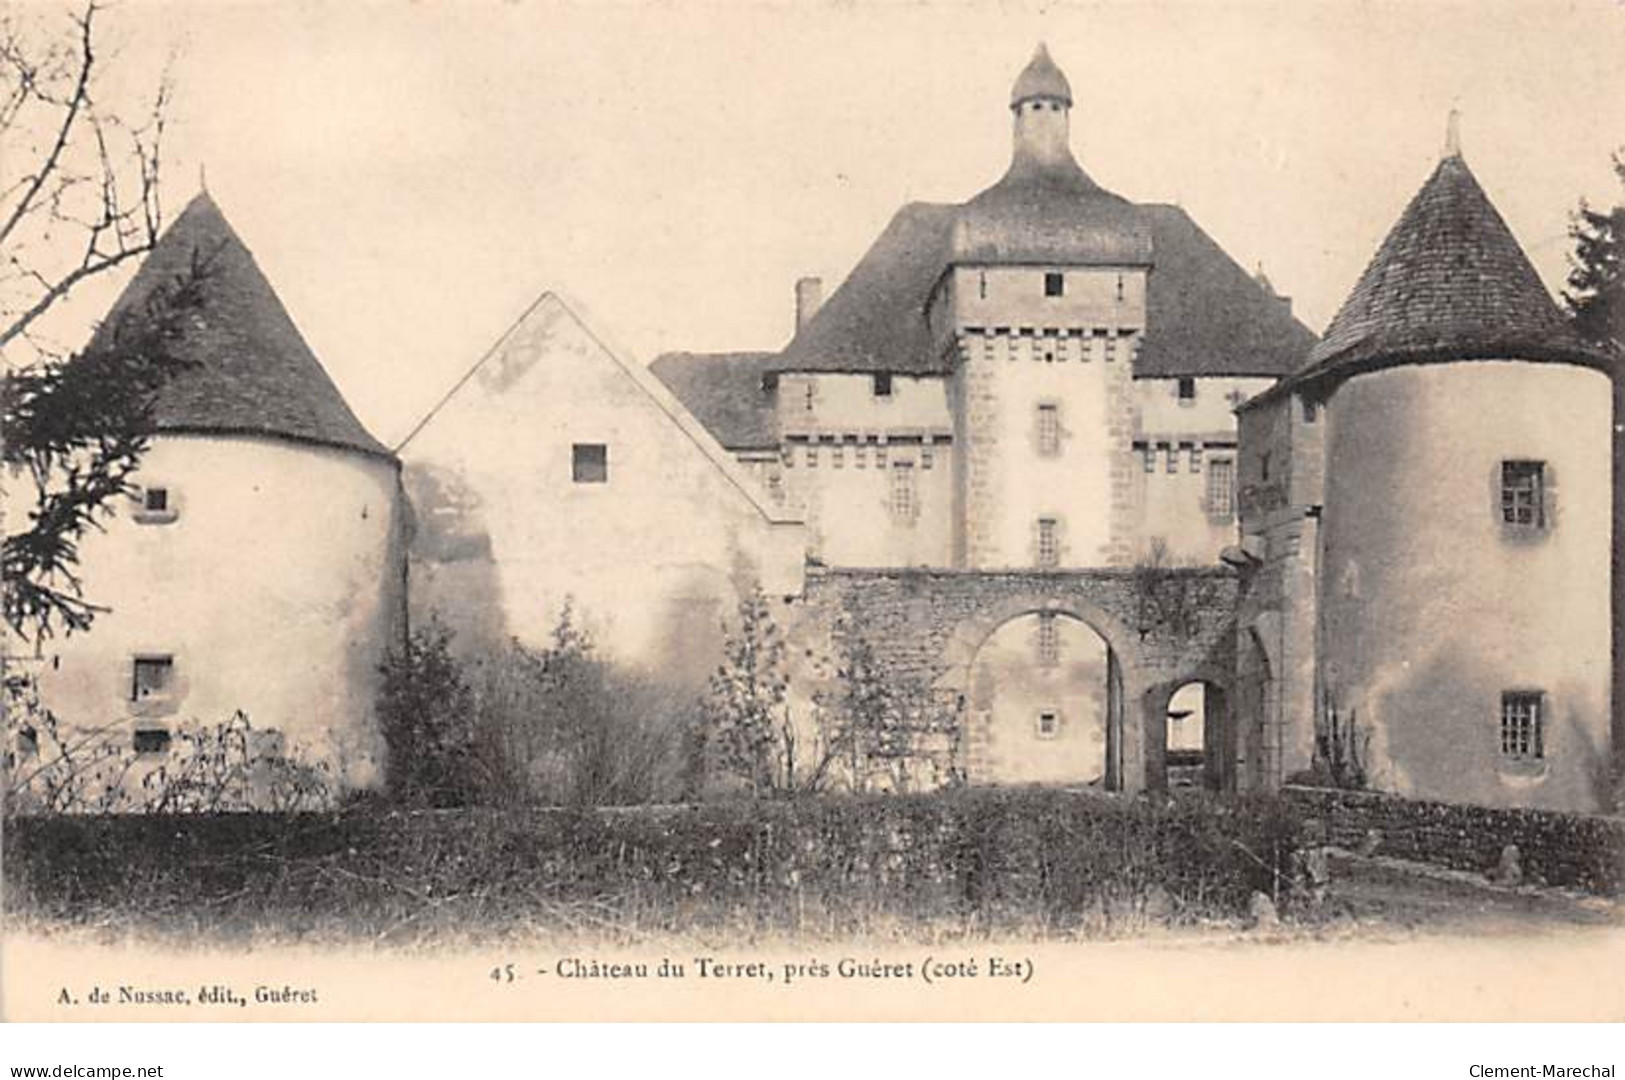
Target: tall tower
1041,309
1465,538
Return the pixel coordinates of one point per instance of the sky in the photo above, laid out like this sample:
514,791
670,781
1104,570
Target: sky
411,175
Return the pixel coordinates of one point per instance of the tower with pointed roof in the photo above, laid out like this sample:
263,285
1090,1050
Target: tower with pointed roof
258,565
1432,495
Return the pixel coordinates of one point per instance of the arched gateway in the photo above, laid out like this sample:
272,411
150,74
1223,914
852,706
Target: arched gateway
1060,678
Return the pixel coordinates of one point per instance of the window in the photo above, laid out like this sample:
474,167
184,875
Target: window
1186,389
880,457
1150,458
860,456
1054,284
903,503
1111,349
589,463
151,741
882,384
1170,454
1049,640
1049,548
1196,458
1049,430
927,457
1221,488
1049,723
837,456
812,455
155,504
1523,493
1522,734
152,677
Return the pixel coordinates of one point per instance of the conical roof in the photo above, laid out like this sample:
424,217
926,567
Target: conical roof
1041,79
253,372
1449,283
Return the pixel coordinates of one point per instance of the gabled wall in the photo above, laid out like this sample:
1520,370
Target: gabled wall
651,560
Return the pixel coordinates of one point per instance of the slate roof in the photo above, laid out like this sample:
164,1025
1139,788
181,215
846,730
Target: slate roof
724,392
1449,282
254,373
1206,316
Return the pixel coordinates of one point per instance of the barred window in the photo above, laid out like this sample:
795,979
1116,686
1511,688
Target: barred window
1049,640
1049,430
903,502
1221,495
1523,493
1522,728
1049,548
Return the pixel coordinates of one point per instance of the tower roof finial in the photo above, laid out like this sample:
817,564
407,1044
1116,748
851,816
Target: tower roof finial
1041,79
1452,134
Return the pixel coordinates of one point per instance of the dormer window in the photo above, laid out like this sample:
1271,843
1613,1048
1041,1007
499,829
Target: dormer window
1054,284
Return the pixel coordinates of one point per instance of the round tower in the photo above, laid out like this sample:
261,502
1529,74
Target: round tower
1465,578
258,564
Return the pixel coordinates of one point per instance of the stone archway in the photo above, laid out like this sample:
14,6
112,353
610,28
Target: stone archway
1188,726
1029,717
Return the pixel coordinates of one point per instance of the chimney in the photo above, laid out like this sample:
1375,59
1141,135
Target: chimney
809,297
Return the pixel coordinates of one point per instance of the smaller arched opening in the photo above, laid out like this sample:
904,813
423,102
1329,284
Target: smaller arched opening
1195,720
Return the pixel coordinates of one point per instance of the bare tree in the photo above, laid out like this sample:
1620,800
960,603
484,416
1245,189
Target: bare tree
80,185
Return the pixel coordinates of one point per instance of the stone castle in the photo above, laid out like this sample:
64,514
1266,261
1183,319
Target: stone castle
1062,462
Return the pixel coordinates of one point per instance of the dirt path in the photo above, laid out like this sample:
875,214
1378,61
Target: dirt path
1428,900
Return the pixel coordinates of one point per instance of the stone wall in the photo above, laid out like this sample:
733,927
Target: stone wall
927,626
1584,851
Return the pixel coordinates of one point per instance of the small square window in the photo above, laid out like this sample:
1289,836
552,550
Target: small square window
151,741
1186,389
1523,494
1522,725
882,384
1054,284
1049,723
589,463
152,677
154,504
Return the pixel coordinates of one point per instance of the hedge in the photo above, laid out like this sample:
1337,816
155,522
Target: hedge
981,859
